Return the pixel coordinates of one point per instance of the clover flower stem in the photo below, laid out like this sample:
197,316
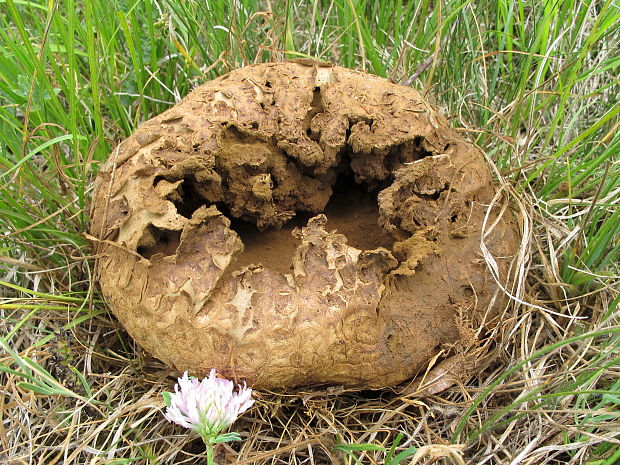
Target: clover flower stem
209,452
210,442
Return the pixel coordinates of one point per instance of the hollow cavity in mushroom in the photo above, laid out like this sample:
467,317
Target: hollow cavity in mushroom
347,194
352,210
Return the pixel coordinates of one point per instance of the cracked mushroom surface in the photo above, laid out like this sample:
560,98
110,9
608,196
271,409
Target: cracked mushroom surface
295,225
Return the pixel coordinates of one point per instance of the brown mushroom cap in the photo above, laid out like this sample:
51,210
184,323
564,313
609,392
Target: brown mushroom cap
291,225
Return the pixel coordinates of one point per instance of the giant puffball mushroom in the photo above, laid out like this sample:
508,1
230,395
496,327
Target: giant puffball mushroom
295,224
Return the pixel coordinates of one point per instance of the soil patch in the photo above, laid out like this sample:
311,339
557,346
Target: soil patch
351,210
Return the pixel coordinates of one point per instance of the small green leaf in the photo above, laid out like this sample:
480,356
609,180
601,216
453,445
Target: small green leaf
37,388
83,380
402,456
390,454
226,437
351,447
167,398
5,369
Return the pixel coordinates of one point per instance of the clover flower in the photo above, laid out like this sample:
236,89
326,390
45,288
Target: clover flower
207,407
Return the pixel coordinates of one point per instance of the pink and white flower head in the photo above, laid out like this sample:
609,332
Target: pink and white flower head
208,406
